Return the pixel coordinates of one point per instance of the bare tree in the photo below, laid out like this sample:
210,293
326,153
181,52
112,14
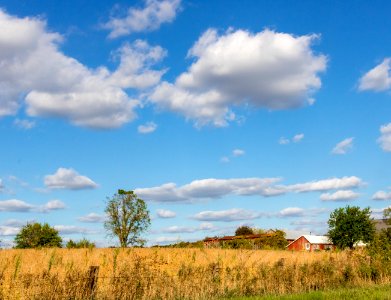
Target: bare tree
127,218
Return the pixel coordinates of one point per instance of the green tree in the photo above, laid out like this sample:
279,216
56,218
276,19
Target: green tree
127,218
387,215
36,235
83,243
244,230
349,225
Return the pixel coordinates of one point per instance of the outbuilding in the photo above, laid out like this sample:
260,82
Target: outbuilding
311,243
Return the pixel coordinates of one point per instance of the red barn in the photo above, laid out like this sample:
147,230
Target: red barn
311,243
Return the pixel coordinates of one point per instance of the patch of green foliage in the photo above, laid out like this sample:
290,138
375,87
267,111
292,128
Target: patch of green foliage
83,243
36,235
362,293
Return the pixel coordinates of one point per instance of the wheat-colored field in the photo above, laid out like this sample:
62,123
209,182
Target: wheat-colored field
163,273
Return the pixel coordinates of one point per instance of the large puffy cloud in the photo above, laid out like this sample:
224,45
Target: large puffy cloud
68,179
212,188
377,79
207,189
55,85
344,195
148,18
267,69
343,147
385,138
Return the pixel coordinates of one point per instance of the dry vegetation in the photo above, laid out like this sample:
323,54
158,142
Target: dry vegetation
180,273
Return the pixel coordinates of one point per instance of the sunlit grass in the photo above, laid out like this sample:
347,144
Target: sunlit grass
181,273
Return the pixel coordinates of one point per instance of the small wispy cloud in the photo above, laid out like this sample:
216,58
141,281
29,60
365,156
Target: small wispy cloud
238,152
297,138
343,147
148,127
148,18
385,138
92,218
235,153
24,124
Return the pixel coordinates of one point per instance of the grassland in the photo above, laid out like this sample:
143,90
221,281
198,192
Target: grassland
378,292
181,273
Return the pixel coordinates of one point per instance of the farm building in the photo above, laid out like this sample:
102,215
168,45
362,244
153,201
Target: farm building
311,243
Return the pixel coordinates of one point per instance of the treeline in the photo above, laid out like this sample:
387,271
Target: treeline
265,240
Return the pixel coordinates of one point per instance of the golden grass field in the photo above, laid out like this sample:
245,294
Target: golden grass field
164,273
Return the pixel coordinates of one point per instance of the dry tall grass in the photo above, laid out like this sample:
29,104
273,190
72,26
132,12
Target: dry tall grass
179,273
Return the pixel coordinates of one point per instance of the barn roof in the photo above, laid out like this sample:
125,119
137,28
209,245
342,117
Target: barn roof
317,239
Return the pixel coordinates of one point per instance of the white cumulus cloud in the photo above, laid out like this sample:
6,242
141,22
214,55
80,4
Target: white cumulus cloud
51,84
213,188
385,138
68,179
292,212
148,18
53,205
327,184
377,79
71,229
165,213
207,189
382,195
148,127
265,70
15,205
343,195
230,215
343,147
92,218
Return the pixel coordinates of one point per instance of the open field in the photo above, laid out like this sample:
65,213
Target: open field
180,273
379,292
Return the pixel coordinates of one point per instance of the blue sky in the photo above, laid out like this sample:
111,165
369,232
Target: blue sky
217,113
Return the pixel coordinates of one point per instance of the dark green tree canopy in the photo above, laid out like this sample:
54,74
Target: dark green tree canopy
127,218
244,230
349,225
36,235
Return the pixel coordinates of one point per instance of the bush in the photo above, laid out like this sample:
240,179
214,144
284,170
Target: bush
83,243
